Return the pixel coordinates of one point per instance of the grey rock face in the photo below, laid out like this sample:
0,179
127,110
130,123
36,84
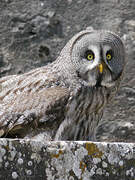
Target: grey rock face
32,33
24,159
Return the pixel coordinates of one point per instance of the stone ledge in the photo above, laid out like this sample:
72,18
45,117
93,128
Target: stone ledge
29,160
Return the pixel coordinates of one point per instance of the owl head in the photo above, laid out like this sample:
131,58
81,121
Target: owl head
97,57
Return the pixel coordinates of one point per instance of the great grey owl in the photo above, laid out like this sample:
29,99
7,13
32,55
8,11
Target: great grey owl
65,99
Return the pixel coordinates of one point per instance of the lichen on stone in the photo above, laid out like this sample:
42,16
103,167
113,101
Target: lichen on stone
66,160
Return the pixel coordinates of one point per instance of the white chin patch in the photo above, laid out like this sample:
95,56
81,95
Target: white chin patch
92,83
108,84
107,80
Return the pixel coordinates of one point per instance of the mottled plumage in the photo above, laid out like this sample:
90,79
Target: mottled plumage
65,99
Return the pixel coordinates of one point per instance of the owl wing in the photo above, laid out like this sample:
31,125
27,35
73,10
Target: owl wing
30,99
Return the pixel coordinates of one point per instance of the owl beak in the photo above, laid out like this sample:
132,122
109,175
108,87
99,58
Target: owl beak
101,68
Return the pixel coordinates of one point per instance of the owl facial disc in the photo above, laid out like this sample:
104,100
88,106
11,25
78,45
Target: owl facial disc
99,58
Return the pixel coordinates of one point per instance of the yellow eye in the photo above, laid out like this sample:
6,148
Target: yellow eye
108,57
90,57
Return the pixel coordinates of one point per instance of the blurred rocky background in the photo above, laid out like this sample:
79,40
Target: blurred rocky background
33,32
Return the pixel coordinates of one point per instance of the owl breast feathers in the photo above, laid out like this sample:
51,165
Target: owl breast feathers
65,99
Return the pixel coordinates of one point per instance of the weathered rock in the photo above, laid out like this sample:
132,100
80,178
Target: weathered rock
32,33
27,159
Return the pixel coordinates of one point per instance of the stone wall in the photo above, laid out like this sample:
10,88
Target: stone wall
34,160
33,32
